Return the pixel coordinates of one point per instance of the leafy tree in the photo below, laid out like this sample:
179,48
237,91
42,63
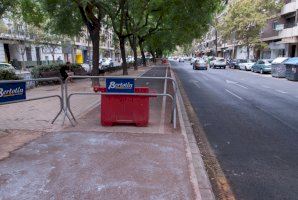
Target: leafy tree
3,27
66,17
183,22
50,42
6,5
246,19
142,18
157,25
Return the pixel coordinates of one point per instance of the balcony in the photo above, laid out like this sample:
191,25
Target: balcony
289,8
289,32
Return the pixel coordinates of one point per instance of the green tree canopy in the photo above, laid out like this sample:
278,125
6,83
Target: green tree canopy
246,19
185,20
6,5
159,25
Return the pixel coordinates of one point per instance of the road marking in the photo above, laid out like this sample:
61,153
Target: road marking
236,83
204,77
280,91
196,83
241,85
235,95
265,86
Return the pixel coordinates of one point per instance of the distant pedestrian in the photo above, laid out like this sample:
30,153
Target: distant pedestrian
63,72
69,71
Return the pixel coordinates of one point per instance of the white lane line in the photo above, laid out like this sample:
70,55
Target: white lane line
197,84
236,83
280,91
265,86
204,77
235,95
241,85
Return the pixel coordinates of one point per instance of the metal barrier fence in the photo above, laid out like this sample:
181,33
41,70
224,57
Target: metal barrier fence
172,97
60,97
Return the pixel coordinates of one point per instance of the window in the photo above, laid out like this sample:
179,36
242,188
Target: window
28,54
275,23
290,20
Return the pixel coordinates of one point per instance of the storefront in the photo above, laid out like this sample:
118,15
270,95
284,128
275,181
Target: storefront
291,46
276,49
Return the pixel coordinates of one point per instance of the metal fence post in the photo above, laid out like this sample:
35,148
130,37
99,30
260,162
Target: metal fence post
42,97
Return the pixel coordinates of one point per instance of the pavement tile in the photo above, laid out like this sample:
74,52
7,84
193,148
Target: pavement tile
89,165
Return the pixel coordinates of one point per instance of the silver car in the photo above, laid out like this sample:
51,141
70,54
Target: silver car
7,66
218,63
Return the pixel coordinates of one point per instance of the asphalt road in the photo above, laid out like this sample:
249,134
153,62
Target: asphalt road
251,122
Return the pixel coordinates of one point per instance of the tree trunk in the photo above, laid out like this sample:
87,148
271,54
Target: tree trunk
247,46
53,56
123,56
94,35
135,53
23,62
215,43
133,44
159,53
153,56
95,57
142,53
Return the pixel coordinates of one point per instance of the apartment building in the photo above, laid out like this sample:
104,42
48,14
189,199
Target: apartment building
19,46
281,32
213,44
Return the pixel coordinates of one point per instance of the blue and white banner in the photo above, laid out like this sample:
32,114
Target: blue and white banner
125,85
12,91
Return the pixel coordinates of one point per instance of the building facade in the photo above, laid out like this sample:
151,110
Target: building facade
280,33
19,46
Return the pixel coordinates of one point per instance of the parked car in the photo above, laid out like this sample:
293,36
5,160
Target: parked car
218,63
246,65
262,66
107,62
181,59
187,58
234,64
129,59
200,64
87,67
7,66
192,60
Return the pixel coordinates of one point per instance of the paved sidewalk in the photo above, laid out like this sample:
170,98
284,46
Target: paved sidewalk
94,162
92,165
37,115
23,122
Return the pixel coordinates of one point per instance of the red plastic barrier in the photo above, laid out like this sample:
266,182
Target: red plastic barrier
125,109
165,61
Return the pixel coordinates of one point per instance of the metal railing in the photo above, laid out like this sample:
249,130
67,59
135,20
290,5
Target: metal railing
172,97
60,97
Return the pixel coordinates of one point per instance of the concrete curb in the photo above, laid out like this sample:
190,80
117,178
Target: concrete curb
200,176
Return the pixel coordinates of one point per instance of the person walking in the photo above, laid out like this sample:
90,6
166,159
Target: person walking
63,72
